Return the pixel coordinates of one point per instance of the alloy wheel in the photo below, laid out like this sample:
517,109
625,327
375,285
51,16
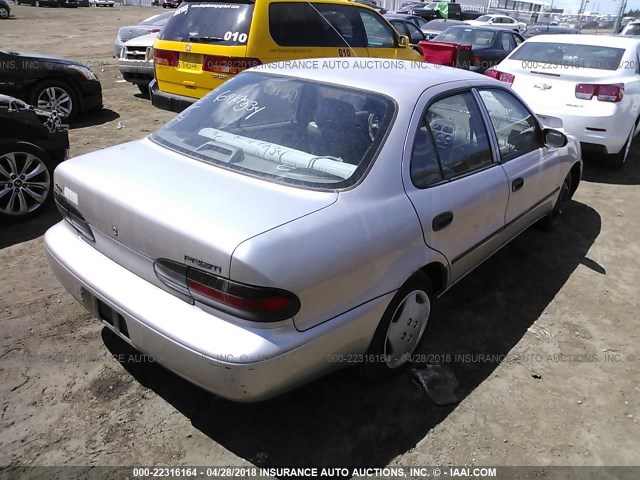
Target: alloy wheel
55,98
24,183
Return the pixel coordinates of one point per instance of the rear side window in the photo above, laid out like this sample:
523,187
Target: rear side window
570,55
214,23
315,25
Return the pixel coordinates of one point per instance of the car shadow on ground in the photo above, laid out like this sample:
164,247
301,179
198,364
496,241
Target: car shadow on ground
342,420
596,170
29,229
96,117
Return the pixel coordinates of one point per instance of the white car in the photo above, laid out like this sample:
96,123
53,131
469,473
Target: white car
500,21
102,3
632,29
585,85
136,61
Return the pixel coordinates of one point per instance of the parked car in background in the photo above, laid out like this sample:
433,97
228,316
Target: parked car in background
50,83
407,7
408,29
197,50
470,14
5,10
489,45
49,3
632,29
32,143
136,61
171,3
417,21
584,85
440,167
534,30
624,22
434,10
149,25
433,28
499,21
372,4
102,3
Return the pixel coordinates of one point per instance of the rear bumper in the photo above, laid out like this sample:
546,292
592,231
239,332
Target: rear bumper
169,101
234,361
138,72
616,128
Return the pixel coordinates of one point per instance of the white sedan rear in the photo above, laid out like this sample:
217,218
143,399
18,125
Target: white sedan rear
585,85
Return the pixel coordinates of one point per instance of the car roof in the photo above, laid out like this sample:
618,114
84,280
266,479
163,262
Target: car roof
396,78
619,41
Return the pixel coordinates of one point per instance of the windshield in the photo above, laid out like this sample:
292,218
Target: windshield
484,18
160,19
479,38
220,23
566,54
283,129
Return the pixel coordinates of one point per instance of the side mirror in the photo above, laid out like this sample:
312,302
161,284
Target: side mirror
403,41
554,138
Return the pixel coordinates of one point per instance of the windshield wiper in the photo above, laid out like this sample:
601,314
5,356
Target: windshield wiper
204,38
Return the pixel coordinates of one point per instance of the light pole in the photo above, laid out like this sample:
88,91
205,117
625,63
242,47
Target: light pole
623,8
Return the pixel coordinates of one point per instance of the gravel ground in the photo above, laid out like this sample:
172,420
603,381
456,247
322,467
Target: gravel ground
560,310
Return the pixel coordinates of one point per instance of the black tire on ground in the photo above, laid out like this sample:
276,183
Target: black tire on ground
4,13
617,161
43,85
550,221
375,368
144,90
9,201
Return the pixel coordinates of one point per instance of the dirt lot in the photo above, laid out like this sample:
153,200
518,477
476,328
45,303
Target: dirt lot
561,308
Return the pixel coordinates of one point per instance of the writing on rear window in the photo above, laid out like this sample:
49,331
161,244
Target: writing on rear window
241,102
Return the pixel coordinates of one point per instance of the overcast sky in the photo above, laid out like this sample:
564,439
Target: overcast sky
603,6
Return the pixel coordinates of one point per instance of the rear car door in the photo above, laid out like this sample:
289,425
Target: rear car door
459,192
533,170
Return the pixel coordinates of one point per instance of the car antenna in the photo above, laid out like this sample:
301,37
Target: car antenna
334,29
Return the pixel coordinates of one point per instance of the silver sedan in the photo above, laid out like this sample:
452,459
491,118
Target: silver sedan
298,220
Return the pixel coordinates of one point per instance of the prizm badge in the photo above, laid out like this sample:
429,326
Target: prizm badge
542,86
202,264
187,47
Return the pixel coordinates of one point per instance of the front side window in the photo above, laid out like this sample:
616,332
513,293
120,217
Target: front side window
460,135
316,25
283,129
515,127
379,33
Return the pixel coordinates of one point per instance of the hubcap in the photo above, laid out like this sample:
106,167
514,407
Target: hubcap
406,328
24,183
4,13
55,98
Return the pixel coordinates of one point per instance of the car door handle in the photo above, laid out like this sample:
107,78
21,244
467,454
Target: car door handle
517,184
441,221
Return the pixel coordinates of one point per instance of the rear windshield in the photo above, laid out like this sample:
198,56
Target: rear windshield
439,25
284,130
632,30
570,55
480,38
211,22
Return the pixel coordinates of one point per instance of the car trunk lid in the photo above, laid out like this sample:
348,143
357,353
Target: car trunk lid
161,204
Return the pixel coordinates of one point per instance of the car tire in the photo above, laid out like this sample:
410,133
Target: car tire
32,172
549,222
4,13
400,330
144,90
618,160
44,91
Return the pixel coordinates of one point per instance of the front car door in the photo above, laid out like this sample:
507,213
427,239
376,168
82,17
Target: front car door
458,189
381,38
534,171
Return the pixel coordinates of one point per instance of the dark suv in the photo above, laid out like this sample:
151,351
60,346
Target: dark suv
434,10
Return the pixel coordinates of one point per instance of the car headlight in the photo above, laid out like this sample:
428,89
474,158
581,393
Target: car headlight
84,71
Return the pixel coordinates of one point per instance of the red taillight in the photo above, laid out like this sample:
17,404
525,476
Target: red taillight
262,304
232,65
166,58
475,59
153,30
604,93
498,75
